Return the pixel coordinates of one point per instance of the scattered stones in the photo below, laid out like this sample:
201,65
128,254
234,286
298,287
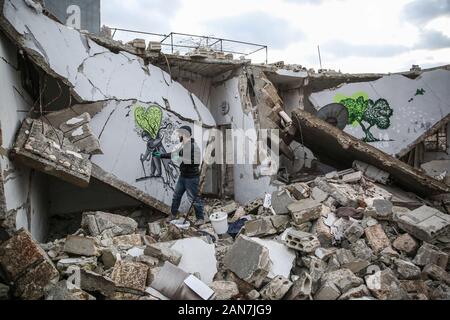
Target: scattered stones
305,210
407,270
355,293
93,282
281,201
82,263
132,275
385,286
63,291
248,260
319,195
276,289
381,209
224,290
97,223
377,238
352,177
354,232
405,243
430,254
260,227
163,252
343,279
437,273
328,291
81,246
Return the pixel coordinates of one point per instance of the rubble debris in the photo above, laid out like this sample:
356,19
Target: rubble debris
4,292
385,286
301,241
437,273
103,223
304,211
319,195
380,209
93,282
282,257
405,243
352,177
200,288
425,223
276,289
377,238
132,275
355,293
81,246
45,149
266,226
224,290
281,201
128,241
63,291
354,232
249,260
253,295
371,172
164,252
83,263
430,254
407,270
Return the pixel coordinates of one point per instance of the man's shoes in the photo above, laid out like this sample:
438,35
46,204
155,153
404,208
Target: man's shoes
199,222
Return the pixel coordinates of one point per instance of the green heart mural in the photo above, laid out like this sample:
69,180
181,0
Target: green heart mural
149,119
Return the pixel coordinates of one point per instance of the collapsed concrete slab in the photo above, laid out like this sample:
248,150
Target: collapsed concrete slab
45,148
341,149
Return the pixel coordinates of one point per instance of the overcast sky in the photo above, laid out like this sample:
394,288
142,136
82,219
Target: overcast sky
354,35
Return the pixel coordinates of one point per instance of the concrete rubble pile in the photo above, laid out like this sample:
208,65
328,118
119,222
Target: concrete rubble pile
336,238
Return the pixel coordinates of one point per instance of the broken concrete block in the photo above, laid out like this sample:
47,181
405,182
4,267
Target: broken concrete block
405,243
61,291
323,232
415,287
260,227
380,209
407,270
109,257
280,202
354,232
425,223
276,289
430,254
377,238
305,210
352,177
128,241
132,275
163,252
253,295
437,273
442,292
36,281
361,250
81,246
301,288
344,279
299,190
248,260
280,223
319,195
355,293
93,282
323,253
372,172
154,229
224,290
19,253
82,263
45,149
149,261
328,291
385,286
347,260
344,194
97,223
301,241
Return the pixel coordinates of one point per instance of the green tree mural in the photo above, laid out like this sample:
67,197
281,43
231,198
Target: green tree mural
368,114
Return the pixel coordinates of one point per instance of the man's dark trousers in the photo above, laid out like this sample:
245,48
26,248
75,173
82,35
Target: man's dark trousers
189,185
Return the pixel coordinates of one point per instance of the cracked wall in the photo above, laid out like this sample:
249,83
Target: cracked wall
24,189
417,105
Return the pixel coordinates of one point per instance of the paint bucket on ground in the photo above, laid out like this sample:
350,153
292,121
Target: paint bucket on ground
219,221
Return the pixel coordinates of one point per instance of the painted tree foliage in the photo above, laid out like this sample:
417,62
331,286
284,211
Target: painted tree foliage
368,114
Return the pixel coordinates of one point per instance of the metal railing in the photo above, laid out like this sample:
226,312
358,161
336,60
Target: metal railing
176,41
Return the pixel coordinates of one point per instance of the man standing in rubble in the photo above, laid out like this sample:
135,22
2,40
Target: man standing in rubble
189,180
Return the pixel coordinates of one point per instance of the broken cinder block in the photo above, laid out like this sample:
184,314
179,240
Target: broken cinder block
304,211
377,238
301,241
276,289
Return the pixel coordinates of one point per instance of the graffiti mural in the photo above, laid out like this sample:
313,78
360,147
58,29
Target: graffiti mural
367,113
156,132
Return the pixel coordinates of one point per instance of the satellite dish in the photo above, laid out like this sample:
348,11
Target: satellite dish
335,114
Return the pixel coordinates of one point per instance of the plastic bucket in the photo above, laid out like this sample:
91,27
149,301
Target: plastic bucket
219,221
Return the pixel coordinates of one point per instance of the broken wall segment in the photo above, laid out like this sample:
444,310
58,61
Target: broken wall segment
45,149
340,148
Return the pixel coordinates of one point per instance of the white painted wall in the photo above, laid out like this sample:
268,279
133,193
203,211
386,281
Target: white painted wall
411,118
247,186
21,196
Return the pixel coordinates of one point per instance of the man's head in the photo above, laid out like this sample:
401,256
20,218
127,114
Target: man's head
184,133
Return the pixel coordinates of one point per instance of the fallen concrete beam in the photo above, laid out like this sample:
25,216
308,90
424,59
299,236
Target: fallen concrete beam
340,148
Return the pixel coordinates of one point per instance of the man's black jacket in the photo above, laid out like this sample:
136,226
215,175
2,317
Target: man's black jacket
190,155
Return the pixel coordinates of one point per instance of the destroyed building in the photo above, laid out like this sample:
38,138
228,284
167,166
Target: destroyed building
359,203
